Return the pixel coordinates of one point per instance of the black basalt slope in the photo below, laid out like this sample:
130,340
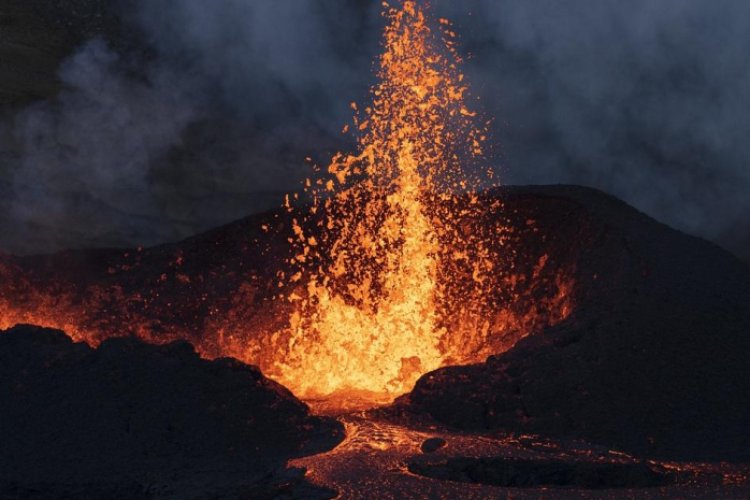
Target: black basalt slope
653,360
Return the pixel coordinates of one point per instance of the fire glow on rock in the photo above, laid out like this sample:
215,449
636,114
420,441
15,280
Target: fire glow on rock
371,307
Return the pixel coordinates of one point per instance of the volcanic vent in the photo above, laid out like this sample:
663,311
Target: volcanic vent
396,246
396,263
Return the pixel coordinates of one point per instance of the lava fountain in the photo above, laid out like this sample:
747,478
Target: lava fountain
370,307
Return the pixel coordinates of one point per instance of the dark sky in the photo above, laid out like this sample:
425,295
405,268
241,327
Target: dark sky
191,113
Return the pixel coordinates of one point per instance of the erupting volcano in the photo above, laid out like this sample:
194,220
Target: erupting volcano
444,330
397,263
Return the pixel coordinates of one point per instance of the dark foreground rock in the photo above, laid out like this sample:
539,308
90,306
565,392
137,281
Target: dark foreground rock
653,360
130,420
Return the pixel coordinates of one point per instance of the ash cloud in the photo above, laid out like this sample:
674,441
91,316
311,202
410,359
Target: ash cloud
646,100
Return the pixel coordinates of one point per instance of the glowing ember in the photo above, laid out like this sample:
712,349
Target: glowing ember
369,309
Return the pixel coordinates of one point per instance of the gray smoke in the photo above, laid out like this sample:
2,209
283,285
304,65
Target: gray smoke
646,100
83,162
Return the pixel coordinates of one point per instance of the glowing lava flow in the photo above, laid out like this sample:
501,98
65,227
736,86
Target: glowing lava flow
368,307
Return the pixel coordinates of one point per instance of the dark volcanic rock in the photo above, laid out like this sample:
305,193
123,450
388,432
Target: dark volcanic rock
431,445
513,473
653,360
130,419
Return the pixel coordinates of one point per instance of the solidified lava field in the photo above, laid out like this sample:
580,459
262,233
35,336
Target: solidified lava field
639,391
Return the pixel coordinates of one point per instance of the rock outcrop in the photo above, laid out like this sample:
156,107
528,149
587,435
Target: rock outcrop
130,419
653,360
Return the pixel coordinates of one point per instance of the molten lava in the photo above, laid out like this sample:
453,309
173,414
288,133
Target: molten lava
370,312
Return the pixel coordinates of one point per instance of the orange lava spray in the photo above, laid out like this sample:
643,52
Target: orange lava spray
367,316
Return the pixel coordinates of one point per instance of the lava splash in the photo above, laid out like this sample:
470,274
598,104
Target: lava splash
370,308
